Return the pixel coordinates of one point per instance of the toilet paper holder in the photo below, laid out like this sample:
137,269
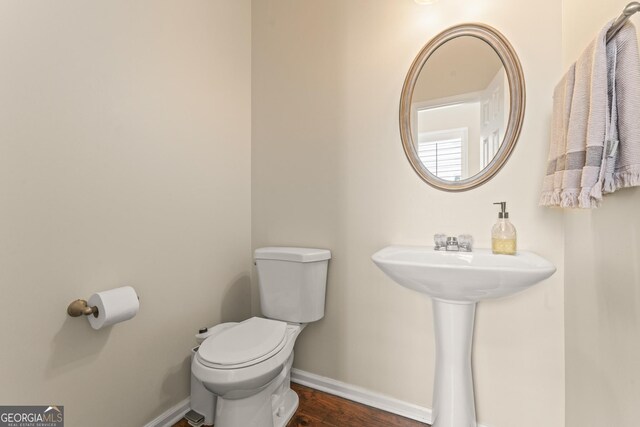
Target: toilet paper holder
80,307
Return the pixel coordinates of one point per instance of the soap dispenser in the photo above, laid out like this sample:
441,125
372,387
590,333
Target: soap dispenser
503,233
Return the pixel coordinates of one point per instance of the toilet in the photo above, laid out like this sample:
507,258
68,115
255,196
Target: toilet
247,365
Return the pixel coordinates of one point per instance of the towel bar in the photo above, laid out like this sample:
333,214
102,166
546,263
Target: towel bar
629,10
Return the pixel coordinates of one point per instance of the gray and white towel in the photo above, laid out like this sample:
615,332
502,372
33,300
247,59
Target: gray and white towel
556,161
589,153
622,168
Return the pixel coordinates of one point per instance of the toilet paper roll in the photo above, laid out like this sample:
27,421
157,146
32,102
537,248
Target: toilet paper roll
114,306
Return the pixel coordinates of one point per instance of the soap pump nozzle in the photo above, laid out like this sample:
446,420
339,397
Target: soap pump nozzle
503,210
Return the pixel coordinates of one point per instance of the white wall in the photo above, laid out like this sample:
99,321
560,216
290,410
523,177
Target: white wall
328,170
124,159
602,280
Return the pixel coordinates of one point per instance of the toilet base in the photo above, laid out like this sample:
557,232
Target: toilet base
287,408
273,406
202,400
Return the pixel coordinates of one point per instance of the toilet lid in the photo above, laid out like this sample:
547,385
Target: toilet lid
244,342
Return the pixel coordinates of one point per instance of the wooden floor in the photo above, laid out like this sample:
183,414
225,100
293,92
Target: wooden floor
318,409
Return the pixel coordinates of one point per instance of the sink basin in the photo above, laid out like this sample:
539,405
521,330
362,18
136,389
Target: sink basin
456,282
462,276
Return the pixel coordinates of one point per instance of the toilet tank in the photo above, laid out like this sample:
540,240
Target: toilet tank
292,282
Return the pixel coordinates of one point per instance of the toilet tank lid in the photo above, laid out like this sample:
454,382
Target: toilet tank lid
283,253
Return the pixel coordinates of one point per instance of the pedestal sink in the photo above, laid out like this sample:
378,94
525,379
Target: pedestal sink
456,281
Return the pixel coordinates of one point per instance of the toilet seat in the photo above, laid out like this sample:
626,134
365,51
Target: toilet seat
243,344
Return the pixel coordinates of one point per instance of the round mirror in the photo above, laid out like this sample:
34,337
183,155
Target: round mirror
462,107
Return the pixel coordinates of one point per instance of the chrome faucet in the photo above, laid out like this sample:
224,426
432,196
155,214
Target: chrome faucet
463,243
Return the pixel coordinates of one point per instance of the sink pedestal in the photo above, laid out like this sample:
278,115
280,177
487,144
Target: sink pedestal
456,281
453,402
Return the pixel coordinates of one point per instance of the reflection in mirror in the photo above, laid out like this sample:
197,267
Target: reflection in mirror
460,108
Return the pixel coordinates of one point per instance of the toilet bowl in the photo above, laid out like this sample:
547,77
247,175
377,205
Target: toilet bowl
247,365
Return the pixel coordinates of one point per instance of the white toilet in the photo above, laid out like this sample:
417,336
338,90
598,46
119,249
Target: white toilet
247,365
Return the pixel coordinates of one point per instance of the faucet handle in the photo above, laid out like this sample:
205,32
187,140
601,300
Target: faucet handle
452,244
465,242
440,241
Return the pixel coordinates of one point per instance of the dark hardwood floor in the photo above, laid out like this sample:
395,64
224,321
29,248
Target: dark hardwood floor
318,409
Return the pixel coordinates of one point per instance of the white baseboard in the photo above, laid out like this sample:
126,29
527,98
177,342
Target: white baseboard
328,385
364,396
171,415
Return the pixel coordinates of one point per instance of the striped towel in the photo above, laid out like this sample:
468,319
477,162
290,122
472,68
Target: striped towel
562,95
622,167
596,99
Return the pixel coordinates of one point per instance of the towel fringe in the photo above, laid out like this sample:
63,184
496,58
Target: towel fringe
569,199
578,199
594,193
588,198
550,198
609,184
628,178
545,199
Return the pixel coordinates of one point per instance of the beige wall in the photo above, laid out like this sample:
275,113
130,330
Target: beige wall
602,314
328,170
124,159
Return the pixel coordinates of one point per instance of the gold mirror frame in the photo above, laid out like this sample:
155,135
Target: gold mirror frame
515,77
